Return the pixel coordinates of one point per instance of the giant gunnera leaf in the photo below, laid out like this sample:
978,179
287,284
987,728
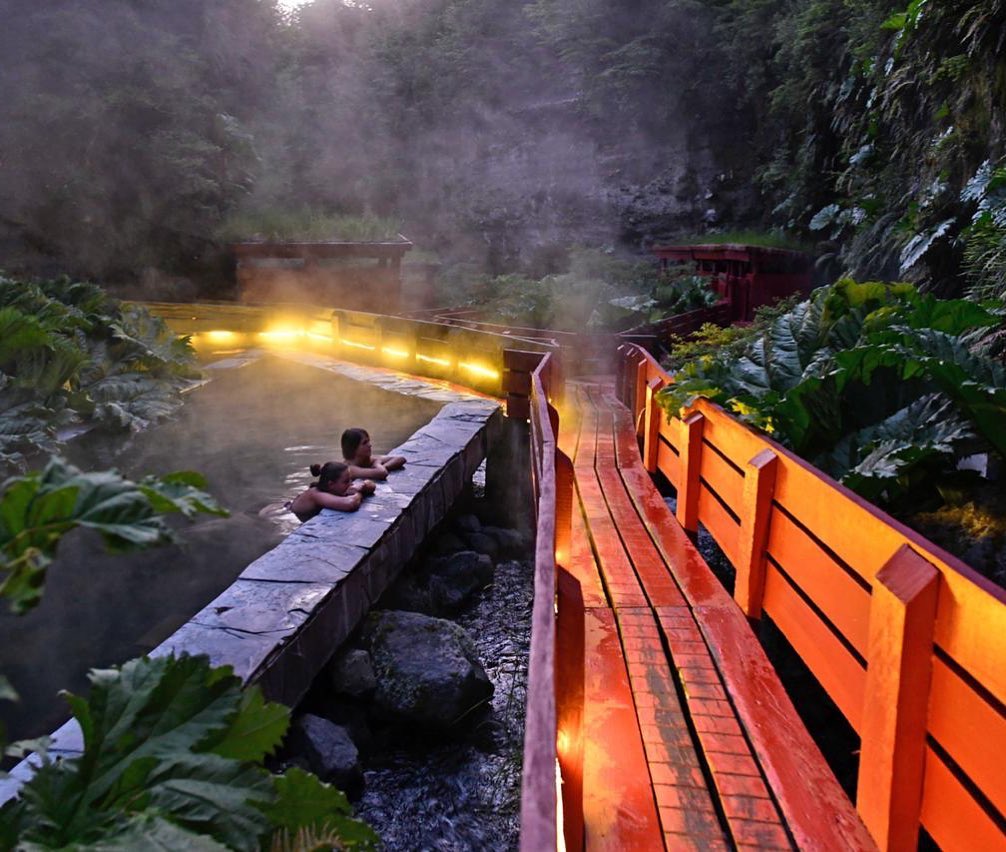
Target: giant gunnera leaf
38,509
172,760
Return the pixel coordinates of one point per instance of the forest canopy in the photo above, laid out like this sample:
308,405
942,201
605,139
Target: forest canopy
134,131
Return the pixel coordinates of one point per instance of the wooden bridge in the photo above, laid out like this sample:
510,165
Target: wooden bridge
654,718
651,693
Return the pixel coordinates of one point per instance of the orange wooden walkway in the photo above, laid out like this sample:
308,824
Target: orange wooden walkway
675,732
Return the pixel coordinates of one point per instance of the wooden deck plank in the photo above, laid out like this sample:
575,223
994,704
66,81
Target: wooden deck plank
816,810
619,807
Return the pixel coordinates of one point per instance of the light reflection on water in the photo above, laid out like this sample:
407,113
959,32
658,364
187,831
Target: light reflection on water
253,433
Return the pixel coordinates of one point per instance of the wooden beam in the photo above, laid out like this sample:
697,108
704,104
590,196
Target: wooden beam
893,730
759,484
691,458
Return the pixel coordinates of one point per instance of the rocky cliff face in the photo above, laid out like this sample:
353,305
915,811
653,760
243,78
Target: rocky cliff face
543,177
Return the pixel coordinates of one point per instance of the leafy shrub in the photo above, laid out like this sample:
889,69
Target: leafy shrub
871,382
173,753
71,354
599,292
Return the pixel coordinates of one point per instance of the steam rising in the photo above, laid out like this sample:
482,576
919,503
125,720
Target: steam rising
131,131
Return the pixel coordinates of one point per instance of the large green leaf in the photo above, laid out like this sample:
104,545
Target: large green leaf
143,725
873,460
303,801
38,509
163,768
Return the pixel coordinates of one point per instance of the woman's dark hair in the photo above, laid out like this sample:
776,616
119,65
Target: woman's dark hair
327,473
351,439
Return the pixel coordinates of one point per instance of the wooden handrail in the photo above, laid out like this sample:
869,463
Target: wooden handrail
539,829
908,641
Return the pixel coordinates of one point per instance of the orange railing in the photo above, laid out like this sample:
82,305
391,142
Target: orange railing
908,641
538,795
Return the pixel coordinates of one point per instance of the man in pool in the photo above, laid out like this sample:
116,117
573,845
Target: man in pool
333,490
356,452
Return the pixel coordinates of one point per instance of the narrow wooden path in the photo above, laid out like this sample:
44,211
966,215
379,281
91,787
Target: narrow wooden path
687,738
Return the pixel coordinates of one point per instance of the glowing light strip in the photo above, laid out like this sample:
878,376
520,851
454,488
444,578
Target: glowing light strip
316,336
480,371
220,336
280,335
356,345
395,353
442,362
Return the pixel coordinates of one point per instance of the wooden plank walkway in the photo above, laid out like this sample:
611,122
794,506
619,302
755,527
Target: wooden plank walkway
688,739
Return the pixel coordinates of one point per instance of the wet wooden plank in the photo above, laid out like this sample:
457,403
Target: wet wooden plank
619,808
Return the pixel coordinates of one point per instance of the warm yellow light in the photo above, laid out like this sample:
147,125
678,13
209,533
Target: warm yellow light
316,336
560,556
220,336
281,334
356,345
395,353
562,741
478,370
442,362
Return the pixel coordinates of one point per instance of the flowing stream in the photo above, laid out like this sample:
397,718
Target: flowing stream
456,795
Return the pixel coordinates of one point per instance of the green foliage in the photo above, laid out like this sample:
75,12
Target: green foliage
70,354
598,291
38,509
172,759
869,381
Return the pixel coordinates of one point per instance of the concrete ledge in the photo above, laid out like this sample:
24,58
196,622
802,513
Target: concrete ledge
288,611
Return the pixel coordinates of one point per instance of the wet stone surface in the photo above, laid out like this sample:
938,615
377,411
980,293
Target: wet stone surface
462,792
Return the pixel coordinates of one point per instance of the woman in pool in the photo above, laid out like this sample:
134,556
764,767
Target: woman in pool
333,490
356,452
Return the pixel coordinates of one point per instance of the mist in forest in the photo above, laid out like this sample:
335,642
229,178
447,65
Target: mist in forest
497,134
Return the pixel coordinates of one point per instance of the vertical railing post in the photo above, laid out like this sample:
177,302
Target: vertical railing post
893,729
759,484
639,403
564,499
651,424
690,449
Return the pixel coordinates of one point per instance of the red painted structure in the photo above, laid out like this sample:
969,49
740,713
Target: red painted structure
744,276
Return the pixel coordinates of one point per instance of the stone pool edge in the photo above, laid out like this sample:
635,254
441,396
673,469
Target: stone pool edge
288,611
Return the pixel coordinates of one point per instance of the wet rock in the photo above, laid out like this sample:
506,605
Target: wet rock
411,593
467,523
442,585
482,543
453,581
446,543
330,752
428,671
352,673
354,718
511,542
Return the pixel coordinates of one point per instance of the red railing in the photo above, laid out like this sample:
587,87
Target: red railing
908,641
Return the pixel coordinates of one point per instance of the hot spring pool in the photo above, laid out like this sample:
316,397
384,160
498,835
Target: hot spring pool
252,432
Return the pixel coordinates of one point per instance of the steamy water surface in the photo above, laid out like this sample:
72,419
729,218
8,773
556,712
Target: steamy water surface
252,432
